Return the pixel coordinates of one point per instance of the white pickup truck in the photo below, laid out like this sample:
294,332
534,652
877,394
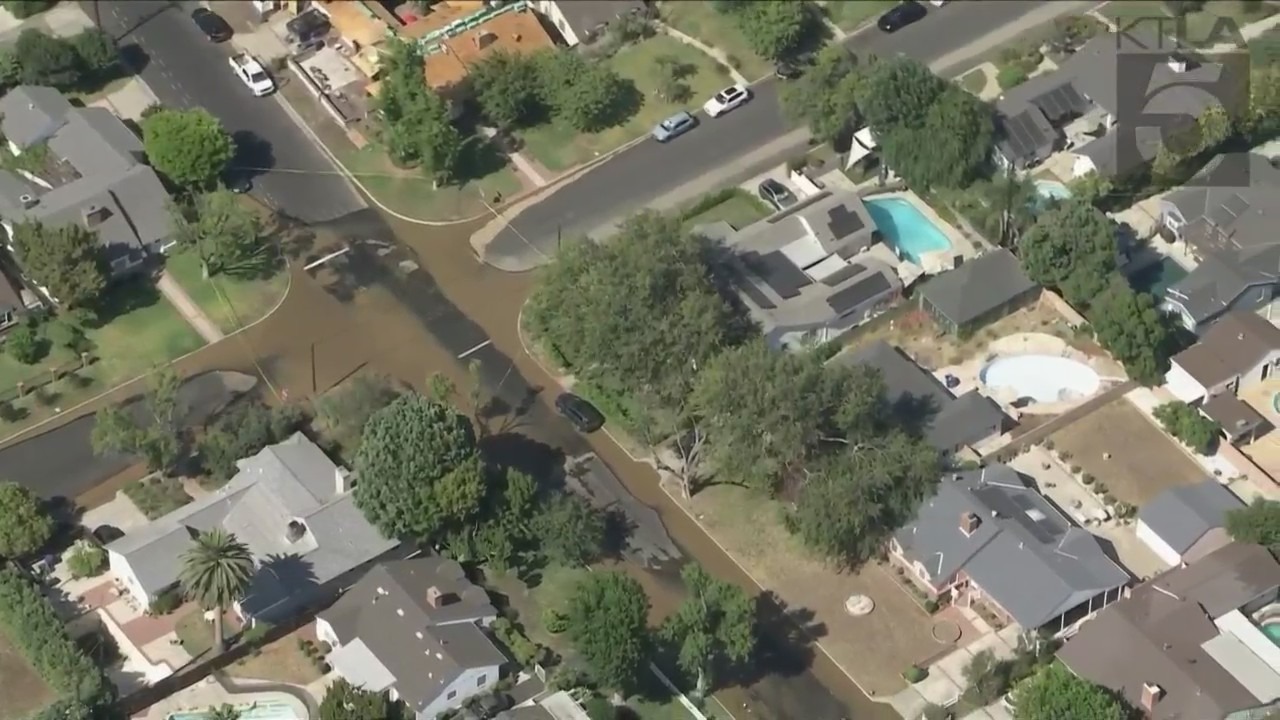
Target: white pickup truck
251,73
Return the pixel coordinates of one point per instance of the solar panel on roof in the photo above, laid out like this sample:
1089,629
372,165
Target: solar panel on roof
755,295
778,273
851,297
1023,134
1236,204
843,222
844,273
1061,102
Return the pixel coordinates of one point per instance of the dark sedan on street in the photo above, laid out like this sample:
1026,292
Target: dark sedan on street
211,24
581,414
901,16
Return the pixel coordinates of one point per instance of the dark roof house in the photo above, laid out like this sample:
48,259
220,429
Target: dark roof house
413,627
803,275
980,291
953,422
990,528
1179,647
1186,522
95,175
1233,352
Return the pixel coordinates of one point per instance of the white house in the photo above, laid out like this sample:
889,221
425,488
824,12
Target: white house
1240,349
581,22
1185,523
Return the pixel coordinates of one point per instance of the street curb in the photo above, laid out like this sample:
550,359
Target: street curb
663,485
19,436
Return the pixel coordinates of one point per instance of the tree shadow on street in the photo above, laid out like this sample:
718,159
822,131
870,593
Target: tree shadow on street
538,460
786,637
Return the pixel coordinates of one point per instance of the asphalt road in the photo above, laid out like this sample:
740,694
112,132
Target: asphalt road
638,176
185,70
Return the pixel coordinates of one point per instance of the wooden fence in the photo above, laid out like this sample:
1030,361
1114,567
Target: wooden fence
40,380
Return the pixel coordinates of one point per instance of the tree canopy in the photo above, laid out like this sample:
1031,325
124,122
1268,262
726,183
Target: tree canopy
587,96
147,427
507,86
1187,424
1055,692
1130,326
67,259
713,630
826,97
26,527
190,147
775,28
344,701
216,571
227,235
570,531
608,623
419,468
241,431
416,128
1258,523
47,60
1072,248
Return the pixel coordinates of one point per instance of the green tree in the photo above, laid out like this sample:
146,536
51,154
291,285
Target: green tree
608,623
222,712
344,701
1187,424
47,60
570,531
190,147
1262,121
714,629
1072,248
1258,523
415,121
147,427
587,96
899,93
1130,326
242,431
215,573
419,468
1055,692
507,87
26,527
777,28
86,559
226,234
97,52
343,411
826,97
67,259
24,345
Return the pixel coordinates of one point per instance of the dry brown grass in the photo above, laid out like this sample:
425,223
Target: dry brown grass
22,691
875,649
281,661
1143,460
915,332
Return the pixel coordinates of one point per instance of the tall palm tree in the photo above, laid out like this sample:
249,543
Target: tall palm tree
215,573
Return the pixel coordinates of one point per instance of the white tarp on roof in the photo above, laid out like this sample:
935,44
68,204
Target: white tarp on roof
863,144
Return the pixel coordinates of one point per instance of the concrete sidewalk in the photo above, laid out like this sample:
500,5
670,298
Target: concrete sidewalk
190,311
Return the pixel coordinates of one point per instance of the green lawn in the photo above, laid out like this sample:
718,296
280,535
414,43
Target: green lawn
157,496
700,19
1200,24
230,302
849,15
559,147
137,329
1265,49
974,81
194,633
740,209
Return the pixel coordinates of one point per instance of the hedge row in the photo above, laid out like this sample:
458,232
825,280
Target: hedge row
31,626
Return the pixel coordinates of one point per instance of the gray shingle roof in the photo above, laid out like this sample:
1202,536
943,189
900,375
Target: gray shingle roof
977,287
586,16
31,113
1234,344
1182,515
1024,553
289,481
424,647
96,142
956,421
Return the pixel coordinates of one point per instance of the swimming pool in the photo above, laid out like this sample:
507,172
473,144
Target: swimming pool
261,710
1052,190
1272,631
905,229
1043,378
1158,277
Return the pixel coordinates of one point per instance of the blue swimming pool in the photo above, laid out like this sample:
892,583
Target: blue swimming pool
262,710
1052,190
906,229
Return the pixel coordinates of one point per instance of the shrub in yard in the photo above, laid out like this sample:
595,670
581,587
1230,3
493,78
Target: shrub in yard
526,652
914,674
555,621
1048,445
302,644
935,712
1088,479
166,602
1187,425
1010,76
1100,488
23,344
931,606
1075,469
23,9
1064,456
86,559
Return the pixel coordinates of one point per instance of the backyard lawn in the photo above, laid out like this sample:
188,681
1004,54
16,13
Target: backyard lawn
136,330
740,209
1119,446
1200,24
559,147
700,19
22,691
281,661
849,16
231,303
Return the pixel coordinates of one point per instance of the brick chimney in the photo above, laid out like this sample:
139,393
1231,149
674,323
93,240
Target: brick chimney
1151,695
969,523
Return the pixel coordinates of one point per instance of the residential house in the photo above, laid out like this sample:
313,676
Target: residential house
448,61
1080,107
804,274
950,423
414,628
1237,351
293,508
582,22
90,171
556,706
1185,523
987,538
1226,217
16,301
980,291
1187,643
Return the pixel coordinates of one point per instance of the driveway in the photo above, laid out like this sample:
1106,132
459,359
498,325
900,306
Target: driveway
948,39
185,70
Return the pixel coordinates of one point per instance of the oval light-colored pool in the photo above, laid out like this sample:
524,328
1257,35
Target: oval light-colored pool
1052,190
1043,378
261,710
906,229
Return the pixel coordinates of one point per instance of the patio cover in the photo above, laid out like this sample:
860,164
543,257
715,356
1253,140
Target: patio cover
863,144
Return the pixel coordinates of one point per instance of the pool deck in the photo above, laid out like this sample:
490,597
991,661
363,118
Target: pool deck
210,693
932,263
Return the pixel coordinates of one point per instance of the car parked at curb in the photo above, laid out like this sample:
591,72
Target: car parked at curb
674,126
778,196
901,15
581,414
727,100
212,25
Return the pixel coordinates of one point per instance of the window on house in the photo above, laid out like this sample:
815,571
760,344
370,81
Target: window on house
452,694
481,680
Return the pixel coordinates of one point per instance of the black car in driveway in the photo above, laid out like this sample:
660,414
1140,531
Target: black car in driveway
583,415
901,16
211,24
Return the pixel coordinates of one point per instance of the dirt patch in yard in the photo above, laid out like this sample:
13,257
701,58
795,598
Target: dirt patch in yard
22,690
1124,450
874,649
281,661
